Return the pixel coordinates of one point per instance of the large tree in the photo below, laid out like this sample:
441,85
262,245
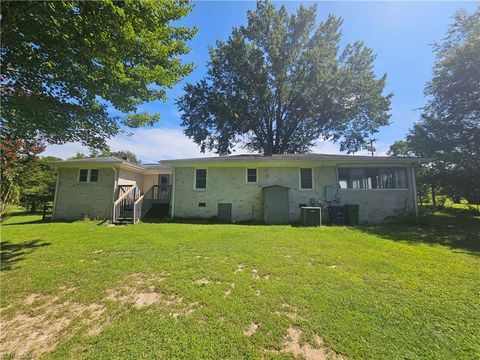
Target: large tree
449,129
64,62
280,83
18,159
38,187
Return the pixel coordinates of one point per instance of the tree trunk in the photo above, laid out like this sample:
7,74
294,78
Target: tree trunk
33,206
434,200
268,149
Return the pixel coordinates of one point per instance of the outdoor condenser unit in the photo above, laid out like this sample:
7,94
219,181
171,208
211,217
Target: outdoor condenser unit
311,216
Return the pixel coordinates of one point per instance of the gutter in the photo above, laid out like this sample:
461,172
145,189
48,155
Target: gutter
115,182
172,215
56,195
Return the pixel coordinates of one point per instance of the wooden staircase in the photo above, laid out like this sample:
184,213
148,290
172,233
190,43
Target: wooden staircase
131,205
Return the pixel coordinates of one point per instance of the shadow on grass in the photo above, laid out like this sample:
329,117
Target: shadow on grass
10,254
449,227
11,219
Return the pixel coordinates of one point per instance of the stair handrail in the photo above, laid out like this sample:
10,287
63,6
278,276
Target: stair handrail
125,194
116,204
137,209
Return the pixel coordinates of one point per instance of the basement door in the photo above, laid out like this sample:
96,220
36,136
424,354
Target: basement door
225,212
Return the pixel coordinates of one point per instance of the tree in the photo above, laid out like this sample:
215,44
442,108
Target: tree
280,83
65,62
38,188
119,154
18,157
126,154
426,175
78,155
449,129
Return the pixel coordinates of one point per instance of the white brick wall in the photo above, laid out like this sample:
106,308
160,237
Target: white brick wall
228,185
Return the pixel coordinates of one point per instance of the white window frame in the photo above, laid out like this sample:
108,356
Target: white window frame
195,179
364,167
89,172
256,176
300,179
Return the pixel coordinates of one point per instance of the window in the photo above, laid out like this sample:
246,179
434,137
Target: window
88,175
83,175
372,178
306,178
94,175
202,204
251,175
200,178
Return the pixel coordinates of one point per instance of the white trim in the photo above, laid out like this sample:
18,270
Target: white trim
56,194
379,167
246,176
115,185
414,188
404,189
89,172
300,179
195,179
172,200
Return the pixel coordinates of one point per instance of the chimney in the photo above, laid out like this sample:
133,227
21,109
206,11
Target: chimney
125,157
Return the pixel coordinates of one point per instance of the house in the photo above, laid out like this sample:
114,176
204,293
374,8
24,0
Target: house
238,188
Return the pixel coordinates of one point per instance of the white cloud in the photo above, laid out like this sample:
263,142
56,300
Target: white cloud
154,144
150,145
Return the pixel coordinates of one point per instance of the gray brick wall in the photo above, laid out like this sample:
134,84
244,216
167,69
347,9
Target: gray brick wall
75,200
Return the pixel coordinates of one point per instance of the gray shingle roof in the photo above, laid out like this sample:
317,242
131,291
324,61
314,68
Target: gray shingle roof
112,160
296,157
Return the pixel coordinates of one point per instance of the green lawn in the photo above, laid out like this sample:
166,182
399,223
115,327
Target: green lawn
85,290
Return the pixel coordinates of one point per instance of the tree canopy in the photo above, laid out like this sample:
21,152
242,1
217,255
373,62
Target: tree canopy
449,129
38,187
64,62
280,83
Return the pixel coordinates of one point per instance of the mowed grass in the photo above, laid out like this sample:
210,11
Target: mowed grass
386,292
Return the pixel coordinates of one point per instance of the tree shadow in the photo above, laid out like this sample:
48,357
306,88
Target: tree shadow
455,230
10,254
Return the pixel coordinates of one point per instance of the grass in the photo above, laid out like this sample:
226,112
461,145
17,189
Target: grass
386,292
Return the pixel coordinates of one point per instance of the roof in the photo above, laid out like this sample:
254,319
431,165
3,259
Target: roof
275,186
101,160
296,158
158,165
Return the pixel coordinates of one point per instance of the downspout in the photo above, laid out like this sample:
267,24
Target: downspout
115,181
415,195
55,196
172,215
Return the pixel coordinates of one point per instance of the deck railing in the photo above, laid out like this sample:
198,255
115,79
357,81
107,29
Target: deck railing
132,205
123,207
138,209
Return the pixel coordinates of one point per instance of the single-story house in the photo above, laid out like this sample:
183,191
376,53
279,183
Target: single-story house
237,188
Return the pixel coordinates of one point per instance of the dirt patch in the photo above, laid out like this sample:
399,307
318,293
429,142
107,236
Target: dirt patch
289,311
45,325
228,292
332,266
183,310
256,276
137,299
318,351
50,320
251,329
30,299
240,268
202,281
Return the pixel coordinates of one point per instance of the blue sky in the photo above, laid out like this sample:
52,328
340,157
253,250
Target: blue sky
400,33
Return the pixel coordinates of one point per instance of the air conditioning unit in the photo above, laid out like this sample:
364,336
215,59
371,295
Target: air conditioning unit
311,216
